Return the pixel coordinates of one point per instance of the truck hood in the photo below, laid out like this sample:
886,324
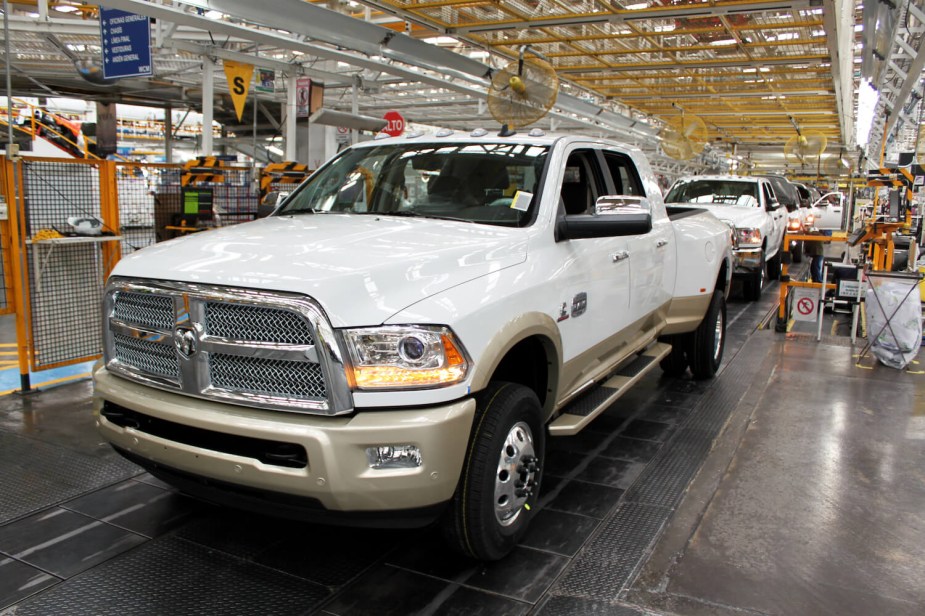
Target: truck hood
362,269
741,216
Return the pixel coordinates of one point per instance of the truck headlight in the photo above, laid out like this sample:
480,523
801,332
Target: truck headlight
405,357
732,228
748,237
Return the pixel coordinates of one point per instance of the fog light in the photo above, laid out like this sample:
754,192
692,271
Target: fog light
393,456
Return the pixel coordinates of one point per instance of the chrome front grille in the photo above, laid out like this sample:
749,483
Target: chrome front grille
256,324
259,349
151,357
272,377
151,311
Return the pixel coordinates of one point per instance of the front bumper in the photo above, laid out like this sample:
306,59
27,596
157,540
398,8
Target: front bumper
747,260
337,474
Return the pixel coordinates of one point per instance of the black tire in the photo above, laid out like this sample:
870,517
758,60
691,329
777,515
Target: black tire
476,523
709,340
675,363
755,282
774,266
796,253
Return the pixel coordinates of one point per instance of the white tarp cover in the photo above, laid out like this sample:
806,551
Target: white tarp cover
898,343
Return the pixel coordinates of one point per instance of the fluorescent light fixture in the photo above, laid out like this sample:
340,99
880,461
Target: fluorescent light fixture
868,96
749,70
275,150
213,15
637,6
65,8
787,36
665,28
722,42
478,54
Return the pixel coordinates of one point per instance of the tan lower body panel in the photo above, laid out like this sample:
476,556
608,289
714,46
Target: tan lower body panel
600,360
685,314
338,474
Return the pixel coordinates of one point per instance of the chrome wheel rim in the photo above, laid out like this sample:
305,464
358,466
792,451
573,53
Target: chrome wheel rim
718,333
515,479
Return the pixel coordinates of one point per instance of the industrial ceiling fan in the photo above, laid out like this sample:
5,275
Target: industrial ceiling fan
684,137
523,91
806,147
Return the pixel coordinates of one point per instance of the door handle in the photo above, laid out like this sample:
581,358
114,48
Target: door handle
620,256
661,243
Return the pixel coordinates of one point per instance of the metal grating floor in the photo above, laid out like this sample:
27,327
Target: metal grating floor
36,474
608,496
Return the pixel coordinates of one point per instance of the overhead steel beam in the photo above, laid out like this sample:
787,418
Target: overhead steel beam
327,26
911,81
650,66
739,94
214,51
621,16
595,115
839,26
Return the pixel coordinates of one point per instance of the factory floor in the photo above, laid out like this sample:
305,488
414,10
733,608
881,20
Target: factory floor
792,484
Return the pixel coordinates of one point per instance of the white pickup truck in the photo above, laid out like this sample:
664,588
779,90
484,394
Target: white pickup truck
395,343
750,205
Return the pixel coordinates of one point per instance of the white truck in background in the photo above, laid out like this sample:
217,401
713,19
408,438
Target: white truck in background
829,212
395,343
749,205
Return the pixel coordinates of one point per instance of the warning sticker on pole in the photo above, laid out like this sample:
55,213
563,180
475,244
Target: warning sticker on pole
805,304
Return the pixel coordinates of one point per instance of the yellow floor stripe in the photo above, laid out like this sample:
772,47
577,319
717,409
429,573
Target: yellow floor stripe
51,382
7,344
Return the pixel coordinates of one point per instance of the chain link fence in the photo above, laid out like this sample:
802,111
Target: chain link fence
71,213
65,272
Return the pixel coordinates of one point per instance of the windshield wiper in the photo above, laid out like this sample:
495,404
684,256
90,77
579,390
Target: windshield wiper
413,214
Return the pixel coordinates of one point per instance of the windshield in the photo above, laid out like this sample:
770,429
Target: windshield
721,192
483,183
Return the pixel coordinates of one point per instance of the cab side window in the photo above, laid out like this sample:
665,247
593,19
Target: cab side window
582,183
624,175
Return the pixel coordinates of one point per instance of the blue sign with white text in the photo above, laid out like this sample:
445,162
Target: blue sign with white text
126,42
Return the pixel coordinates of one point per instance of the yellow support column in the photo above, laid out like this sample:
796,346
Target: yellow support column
109,212
12,179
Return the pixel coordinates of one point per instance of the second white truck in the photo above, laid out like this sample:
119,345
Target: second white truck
751,207
394,345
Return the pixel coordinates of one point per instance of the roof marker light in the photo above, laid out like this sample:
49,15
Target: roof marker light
444,132
479,132
414,134
536,132
381,136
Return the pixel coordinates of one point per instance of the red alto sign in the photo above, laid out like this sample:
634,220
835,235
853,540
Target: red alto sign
396,123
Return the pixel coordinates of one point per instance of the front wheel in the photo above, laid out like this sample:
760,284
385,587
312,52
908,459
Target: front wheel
774,266
675,363
755,282
709,340
500,483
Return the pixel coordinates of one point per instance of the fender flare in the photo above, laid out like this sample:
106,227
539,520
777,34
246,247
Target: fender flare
508,336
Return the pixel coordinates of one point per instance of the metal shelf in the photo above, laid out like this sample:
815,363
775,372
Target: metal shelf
95,239
41,264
